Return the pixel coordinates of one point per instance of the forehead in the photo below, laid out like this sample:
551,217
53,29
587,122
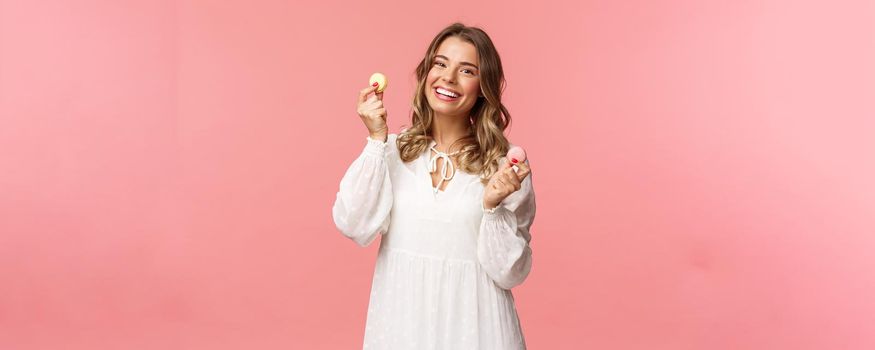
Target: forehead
457,49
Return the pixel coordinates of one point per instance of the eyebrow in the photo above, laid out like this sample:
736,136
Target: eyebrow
463,63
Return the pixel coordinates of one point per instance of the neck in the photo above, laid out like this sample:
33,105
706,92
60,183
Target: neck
447,129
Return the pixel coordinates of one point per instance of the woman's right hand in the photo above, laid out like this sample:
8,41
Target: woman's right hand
373,113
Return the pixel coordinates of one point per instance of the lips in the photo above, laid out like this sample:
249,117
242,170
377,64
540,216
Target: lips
444,94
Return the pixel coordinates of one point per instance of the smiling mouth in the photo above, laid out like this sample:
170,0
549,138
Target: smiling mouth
445,95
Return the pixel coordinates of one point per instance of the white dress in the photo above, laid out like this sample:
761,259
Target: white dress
445,265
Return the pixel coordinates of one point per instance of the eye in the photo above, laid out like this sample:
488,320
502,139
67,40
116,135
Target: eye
468,71
440,64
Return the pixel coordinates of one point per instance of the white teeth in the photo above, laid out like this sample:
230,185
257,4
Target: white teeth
446,92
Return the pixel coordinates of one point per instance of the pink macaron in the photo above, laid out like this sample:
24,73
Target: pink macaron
516,154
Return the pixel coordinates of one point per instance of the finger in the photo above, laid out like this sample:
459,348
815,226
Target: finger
512,176
363,94
379,95
525,170
503,164
509,171
374,99
500,181
509,180
513,180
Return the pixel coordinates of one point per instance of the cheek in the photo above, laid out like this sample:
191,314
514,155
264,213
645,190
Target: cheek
432,76
473,88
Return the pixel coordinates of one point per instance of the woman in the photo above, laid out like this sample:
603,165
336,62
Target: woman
453,211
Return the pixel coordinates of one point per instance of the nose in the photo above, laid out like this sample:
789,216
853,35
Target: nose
448,76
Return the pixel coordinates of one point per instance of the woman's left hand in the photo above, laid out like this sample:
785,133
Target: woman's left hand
504,182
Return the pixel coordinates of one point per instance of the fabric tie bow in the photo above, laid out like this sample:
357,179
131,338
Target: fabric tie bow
447,169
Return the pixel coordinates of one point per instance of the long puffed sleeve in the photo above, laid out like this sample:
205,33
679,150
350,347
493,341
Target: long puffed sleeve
363,204
503,245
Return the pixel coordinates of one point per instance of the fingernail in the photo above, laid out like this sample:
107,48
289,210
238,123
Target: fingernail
375,84
514,160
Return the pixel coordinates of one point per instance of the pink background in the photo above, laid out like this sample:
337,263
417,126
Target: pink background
704,169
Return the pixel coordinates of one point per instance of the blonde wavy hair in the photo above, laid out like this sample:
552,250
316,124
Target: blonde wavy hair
485,143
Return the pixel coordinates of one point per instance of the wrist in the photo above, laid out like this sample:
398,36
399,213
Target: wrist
380,136
489,210
489,205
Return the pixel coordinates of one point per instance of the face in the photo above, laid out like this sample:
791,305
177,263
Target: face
456,68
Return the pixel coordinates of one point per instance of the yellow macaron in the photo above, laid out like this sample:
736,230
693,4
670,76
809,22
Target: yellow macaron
380,79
